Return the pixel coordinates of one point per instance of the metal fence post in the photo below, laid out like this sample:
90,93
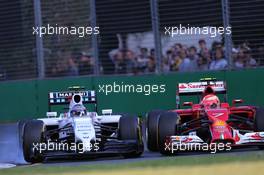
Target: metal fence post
39,40
157,38
228,38
94,37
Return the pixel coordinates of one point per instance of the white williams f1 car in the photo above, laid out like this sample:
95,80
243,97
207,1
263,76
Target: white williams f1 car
79,132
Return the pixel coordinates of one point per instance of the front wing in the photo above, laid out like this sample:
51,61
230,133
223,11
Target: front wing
111,148
194,143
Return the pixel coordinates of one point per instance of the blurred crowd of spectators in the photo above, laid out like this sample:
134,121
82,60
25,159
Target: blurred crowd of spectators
243,56
72,64
127,61
182,58
178,57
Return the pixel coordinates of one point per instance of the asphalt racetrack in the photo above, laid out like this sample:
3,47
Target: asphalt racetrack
11,153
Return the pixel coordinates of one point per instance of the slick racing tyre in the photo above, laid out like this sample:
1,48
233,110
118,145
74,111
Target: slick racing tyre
152,127
33,134
167,126
130,129
259,121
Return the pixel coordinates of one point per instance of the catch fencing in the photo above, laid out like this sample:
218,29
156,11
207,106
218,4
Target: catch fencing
66,38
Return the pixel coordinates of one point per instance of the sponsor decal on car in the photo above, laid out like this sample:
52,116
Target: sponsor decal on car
199,86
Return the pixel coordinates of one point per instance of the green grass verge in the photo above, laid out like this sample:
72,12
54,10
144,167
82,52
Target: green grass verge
182,161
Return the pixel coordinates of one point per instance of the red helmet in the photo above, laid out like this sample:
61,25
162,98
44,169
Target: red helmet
210,101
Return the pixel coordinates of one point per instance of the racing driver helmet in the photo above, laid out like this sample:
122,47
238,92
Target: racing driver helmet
210,101
78,111
208,90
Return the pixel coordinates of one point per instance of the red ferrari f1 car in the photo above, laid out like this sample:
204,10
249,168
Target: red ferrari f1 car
208,122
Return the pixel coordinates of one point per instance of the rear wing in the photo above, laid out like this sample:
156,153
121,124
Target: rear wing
196,88
64,97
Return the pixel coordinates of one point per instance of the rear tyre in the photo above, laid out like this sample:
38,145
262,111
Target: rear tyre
152,127
33,134
259,121
167,126
130,129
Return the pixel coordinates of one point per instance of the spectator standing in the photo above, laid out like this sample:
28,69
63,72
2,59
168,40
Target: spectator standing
86,64
249,61
175,63
193,58
151,62
130,60
203,48
166,61
203,62
177,48
219,62
119,61
165,64
239,60
185,65
72,67
142,60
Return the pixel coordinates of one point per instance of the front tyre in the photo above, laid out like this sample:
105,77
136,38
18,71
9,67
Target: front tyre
259,121
152,127
167,126
130,129
33,135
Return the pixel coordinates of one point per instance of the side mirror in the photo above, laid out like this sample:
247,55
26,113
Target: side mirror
51,114
107,111
187,103
237,101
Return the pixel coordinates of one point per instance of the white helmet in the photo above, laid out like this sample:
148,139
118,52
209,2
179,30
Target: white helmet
78,110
